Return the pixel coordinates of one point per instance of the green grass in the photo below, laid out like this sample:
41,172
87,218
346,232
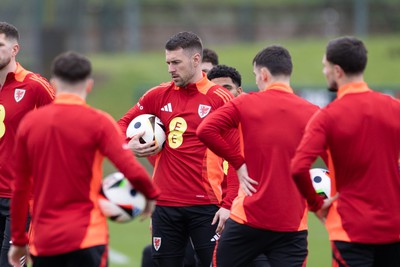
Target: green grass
132,237
120,79
129,239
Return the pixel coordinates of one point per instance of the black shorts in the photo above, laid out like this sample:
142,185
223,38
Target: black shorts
240,244
5,231
348,254
5,222
89,257
189,261
174,227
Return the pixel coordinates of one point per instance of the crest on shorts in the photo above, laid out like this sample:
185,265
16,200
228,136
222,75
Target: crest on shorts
156,243
19,94
203,110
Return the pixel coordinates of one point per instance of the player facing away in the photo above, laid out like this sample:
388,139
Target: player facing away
269,214
188,174
20,92
229,78
59,153
361,130
209,60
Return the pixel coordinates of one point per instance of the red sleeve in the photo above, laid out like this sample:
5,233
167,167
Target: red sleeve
127,118
311,146
230,188
145,105
21,192
44,92
219,132
114,147
215,127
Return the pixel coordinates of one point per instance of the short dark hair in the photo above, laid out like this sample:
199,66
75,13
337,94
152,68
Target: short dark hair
185,40
210,56
276,59
71,67
10,31
349,53
221,71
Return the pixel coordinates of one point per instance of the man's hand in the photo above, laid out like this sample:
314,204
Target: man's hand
220,216
148,210
323,211
142,150
246,183
17,255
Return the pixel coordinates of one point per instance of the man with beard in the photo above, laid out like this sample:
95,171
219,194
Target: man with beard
20,92
361,131
187,173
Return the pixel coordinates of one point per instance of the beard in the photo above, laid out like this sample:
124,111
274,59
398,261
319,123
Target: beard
333,86
184,79
4,63
179,82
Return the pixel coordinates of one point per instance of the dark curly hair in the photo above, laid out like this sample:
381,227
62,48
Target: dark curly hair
225,71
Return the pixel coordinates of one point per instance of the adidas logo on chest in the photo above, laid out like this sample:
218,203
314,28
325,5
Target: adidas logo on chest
167,108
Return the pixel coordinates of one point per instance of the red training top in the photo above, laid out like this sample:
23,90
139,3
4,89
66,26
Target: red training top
59,154
272,123
21,92
361,130
185,170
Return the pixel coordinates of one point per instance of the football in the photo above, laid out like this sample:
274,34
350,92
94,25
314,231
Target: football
321,181
152,126
118,200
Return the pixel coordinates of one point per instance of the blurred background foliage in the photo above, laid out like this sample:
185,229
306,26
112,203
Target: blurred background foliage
48,27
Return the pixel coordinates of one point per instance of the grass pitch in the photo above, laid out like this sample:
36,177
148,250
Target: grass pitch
120,79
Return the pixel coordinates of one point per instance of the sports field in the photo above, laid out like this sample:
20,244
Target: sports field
121,78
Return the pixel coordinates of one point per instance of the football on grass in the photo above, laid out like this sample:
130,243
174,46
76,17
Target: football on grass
118,200
321,181
152,126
